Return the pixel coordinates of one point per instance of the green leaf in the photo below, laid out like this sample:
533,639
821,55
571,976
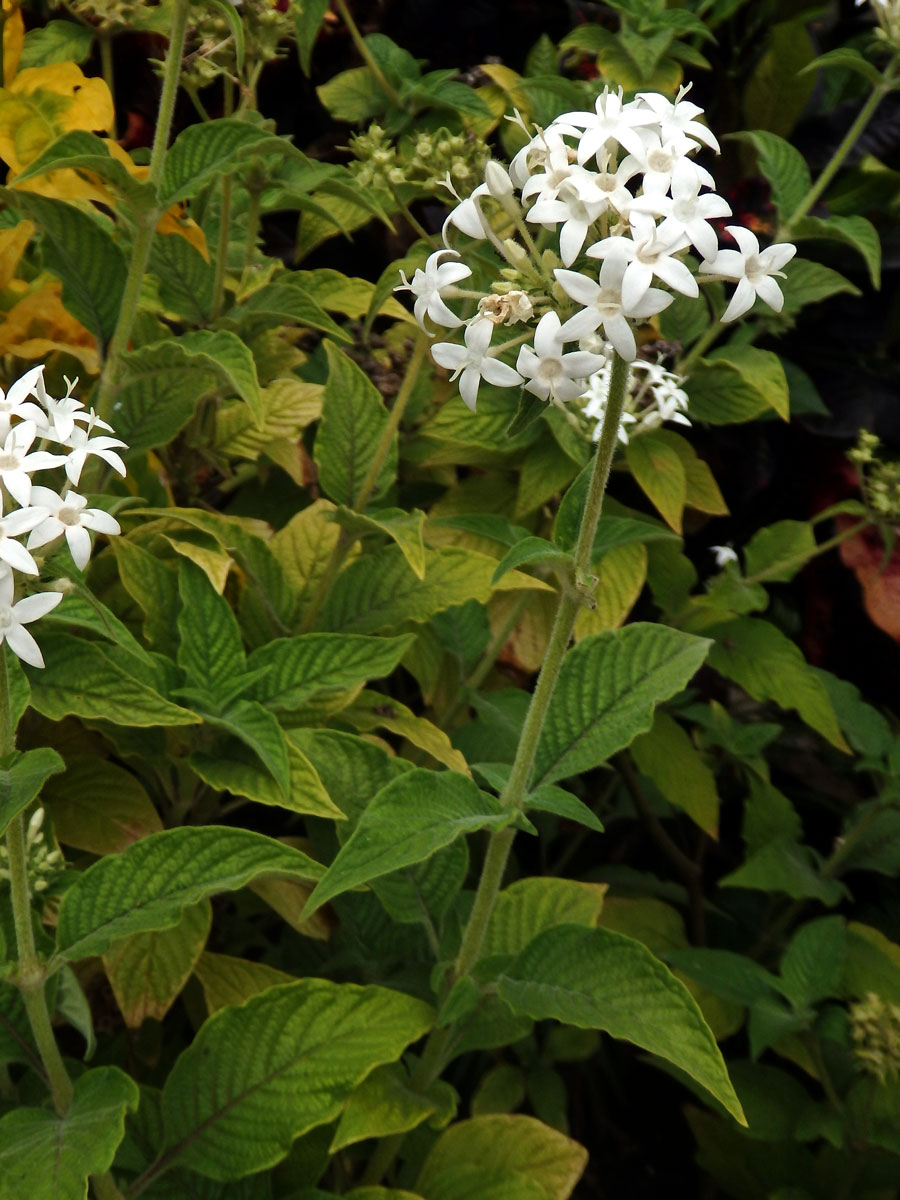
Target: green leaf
153,586
784,167
783,865
618,525
777,552
227,980
532,550
82,679
148,970
149,885
854,231
204,152
760,370
813,964
769,666
845,58
608,687
316,663
352,769
353,95
258,1076
308,18
210,650
531,906
78,149
56,42
185,279
810,282
386,1103
405,823
551,799
286,300
42,1154
404,528
23,781
530,408
354,420
597,979
78,248
668,756
524,1156
257,728
777,92
98,806
379,592
659,472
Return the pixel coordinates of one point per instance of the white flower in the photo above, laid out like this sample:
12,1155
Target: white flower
753,269
81,444
68,515
613,121
467,216
15,403
472,363
676,121
62,413
578,205
558,161
723,554
686,212
648,254
17,465
22,520
428,285
550,372
604,304
657,161
14,618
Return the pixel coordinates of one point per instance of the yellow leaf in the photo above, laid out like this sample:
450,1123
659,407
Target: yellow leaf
667,755
227,980
215,564
620,579
42,103
39,324
12,247
13,38
527,643
659,472
371,710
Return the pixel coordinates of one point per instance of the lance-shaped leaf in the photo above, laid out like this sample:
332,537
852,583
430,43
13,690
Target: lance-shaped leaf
405,823
23,780
305,666
202,152
149,885
598,979
258,1076
404,528
210,650
608,687
44,1155
353,421
85,151
257,728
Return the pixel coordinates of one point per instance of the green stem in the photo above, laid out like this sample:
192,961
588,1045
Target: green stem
500,843
252,232
366,54
415,225
879,91
369,483
224,218
107,69
798,560
146,220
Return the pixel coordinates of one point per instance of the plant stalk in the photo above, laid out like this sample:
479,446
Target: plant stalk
500,843
366,54
146,220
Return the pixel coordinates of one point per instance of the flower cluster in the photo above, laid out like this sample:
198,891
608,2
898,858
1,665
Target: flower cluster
875,1026
29,415
600,219
424,160
654,395
44,862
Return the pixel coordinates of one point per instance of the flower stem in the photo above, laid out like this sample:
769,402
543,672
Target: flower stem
879,91
500,843
366,54
107,69
146,220
218,292
369,483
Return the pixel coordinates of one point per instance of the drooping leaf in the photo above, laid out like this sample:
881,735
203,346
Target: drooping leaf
258,1076
608,687
227,980
597,979
403,528
42,1154
149,885
99,806
405,823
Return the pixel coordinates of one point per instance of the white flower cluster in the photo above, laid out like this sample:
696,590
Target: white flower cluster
619,186
43,861
44,514
654,395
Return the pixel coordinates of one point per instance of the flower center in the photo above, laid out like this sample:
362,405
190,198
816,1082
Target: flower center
6,620
69,515
550,369
754,270
608,304
9,462
659,160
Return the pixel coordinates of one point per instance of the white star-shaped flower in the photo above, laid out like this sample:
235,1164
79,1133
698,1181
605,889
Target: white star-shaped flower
604,304
648,255
81,444
472,363
686,212
753,269
612,121
14,618
69,515
677,121
17,465
577,206
548,370
21,520
428,285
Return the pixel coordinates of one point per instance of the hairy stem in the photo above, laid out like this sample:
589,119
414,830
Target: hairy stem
146,220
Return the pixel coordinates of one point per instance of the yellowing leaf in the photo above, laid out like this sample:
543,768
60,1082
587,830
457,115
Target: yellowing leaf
39,324
659,472
620,578
668,756
12,247
214,563
227,980
371,711
13,38
43,102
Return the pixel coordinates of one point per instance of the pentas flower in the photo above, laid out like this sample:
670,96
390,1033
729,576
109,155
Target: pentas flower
753,269
654,396
474,363
428,285
612,121
44,516
648,254
550,373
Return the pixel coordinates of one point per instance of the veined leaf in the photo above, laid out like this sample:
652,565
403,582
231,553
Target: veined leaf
784,167
597,979
855,231
530,906
42,1154
24,779
234,768
660,473
668,756
386,1103
313,663
403,528
99,806
210,650
405,823
258,1076
149,885
370,710
202,152
227,980
609,685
